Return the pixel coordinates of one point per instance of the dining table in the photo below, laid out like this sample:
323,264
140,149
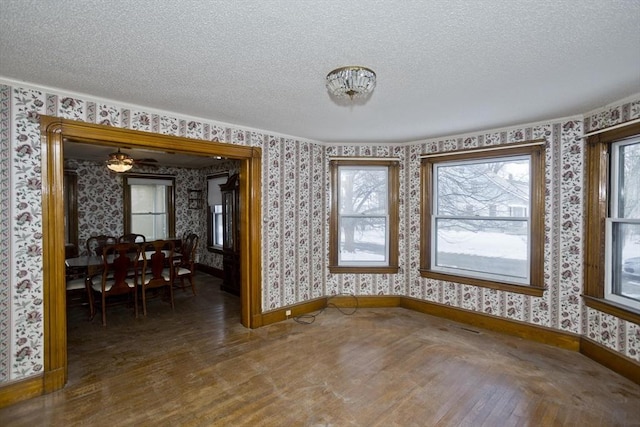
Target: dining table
92,261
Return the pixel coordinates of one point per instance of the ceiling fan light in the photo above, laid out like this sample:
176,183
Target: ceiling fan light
119,162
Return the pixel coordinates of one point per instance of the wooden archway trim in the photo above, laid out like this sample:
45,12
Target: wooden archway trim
54,131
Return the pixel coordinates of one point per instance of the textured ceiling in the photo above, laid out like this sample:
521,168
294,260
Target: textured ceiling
444,66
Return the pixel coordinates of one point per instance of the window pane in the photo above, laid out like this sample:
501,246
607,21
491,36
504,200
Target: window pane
153,226
625,267
629,181
496,247
363,190
217,225
141,198
490,188
622,229
363,239
149,210
148,198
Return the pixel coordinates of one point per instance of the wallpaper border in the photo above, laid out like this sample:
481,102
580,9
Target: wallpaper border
5,232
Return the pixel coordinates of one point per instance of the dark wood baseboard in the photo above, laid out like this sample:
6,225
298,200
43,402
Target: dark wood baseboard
210,270
498,324
373,301
32,387
21,390
516,328
280,314
613,360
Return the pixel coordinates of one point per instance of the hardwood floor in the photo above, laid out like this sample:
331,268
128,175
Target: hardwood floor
197,366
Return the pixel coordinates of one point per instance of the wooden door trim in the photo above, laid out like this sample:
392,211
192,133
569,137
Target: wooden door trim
54,131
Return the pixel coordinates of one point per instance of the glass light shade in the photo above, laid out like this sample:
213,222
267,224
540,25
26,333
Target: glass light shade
352,82
119,162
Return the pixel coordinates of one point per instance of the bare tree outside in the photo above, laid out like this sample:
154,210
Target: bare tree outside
481,216
363,211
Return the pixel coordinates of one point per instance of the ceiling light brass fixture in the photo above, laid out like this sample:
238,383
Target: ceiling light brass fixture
352,82
119,162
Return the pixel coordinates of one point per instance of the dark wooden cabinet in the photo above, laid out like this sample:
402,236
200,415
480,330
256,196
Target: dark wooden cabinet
231,235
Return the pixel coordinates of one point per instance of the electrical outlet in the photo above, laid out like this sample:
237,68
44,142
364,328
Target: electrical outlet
287,313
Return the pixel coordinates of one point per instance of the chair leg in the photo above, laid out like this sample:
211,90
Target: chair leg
104,310
190,277
193,286
144,301
92,307
171,295
135,300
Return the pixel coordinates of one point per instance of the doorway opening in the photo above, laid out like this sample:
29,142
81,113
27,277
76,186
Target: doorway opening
54,132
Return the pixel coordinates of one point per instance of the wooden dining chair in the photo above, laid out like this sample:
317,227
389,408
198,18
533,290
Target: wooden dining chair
157,271
95,244
76,286
119,277
185,266
132,238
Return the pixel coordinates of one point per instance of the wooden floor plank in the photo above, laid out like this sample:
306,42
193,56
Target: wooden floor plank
197,366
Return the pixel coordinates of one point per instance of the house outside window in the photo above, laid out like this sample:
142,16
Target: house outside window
149,206
364,216
482,217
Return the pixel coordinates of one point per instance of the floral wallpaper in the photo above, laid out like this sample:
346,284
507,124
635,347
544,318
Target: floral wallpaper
295,210
560,306
100,203
374,284
6,282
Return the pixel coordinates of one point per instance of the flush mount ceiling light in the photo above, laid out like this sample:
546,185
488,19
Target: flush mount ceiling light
119,162
351,82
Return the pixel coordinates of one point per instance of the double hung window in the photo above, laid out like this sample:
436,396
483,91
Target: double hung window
482,216
622,230
364,216
612,275
149,206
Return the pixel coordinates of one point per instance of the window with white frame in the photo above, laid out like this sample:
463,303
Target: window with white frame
364,216
622,231
611,214
482,216
149,206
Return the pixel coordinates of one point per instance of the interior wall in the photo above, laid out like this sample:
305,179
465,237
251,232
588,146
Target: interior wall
283,197
615,333
561,306
100,199
295,218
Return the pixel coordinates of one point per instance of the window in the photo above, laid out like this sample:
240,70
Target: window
364,216
612,276
70,195
622,253
149,206
482,217
214,203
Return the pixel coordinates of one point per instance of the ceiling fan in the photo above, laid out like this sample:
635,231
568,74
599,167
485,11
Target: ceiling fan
122,162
